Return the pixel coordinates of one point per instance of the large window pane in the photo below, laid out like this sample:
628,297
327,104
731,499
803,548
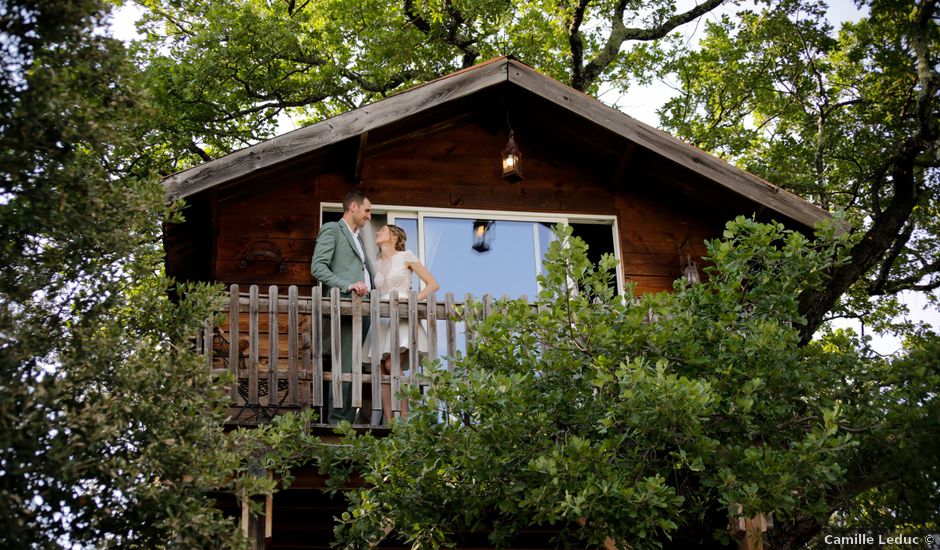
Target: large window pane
508,267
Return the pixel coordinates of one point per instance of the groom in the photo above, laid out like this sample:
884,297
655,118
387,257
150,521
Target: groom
340,261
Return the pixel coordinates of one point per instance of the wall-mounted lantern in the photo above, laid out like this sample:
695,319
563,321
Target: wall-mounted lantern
482,235
689,267
690,271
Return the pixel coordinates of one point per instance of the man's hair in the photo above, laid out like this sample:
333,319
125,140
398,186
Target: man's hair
354,196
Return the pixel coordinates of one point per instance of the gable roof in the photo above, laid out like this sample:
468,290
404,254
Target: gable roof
499,71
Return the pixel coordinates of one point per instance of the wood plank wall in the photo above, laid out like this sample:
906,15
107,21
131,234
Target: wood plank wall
457,167
283,215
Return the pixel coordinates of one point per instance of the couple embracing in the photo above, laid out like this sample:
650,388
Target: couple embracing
341,260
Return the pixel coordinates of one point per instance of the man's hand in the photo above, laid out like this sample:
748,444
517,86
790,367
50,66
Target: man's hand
359,288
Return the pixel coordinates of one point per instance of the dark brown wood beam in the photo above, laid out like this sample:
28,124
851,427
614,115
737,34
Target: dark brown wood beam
380,144
352,123
623,167
361,156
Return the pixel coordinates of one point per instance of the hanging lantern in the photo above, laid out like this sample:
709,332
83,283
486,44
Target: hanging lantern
512,161
482,235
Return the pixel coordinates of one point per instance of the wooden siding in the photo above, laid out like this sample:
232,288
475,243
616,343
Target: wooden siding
504,78
457,167
285,212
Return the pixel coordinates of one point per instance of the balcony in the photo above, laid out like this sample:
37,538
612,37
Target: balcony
283,357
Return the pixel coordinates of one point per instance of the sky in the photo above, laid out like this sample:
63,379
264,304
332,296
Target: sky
642,103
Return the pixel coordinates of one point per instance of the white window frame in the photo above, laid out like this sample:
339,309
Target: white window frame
393,212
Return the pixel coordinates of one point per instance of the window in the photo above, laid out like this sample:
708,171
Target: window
508,259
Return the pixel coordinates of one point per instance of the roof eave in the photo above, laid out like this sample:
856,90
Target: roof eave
290,145
460,84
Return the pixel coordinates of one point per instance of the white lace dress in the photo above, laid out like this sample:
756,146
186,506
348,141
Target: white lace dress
393,274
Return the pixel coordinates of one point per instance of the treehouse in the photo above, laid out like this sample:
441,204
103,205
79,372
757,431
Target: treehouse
476,167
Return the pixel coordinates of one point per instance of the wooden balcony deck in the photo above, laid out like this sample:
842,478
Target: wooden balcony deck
288,349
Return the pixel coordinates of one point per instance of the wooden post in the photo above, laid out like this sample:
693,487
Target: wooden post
469,320
336,360
274,331
451,330
268,518
432,326
413,337
487,306
234,312
246,519
268,515
253,345
252,528
356,354
208,341
396,360
316,346
750,531
376,355
292,321
306,356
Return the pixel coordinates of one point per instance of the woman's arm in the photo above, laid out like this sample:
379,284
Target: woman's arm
430,283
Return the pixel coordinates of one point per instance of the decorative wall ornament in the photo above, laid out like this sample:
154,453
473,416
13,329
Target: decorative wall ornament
264,251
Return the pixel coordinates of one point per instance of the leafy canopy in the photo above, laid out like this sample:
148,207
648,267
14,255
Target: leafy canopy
652,420
225,71
109,423
847,118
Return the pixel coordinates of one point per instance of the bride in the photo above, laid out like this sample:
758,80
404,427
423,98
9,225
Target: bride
395,266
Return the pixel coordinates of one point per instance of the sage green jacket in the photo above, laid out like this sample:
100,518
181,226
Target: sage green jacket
336,262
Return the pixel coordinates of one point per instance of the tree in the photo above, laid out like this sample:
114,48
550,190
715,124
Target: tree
589,416
851,121
109,423
224,71
848,120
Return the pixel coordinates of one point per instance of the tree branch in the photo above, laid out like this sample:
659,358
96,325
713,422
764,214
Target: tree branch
877,286
198,151
415,18
576,40
887,224
374,87
452,34
620,33
909,283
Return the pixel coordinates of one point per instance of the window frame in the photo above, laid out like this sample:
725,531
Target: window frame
394,212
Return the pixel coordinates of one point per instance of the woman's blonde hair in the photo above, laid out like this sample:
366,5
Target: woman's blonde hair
399,235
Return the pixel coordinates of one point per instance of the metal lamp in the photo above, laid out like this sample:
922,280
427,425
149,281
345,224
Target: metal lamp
512,161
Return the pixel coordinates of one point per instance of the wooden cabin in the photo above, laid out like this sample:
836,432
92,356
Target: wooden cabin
429,158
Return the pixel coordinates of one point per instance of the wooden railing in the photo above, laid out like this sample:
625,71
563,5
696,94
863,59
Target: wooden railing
274,347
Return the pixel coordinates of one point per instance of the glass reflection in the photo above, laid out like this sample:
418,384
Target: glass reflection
508,267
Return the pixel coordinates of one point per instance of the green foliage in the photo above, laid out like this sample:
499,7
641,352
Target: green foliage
845,117
222,72
109,422
651,420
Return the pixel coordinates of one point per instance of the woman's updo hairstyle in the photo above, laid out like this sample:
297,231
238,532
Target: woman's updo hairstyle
399,235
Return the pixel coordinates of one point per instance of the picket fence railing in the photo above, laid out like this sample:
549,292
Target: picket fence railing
283,351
